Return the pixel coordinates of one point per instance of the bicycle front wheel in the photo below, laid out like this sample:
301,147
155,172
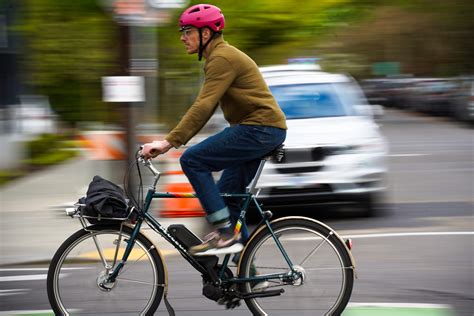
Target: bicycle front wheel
325,268
77,277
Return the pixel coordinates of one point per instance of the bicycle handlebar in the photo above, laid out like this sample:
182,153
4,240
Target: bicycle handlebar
148,163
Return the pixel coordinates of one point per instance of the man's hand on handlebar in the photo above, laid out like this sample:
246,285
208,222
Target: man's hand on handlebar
155,148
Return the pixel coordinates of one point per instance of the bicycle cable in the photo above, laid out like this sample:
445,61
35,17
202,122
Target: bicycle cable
136,203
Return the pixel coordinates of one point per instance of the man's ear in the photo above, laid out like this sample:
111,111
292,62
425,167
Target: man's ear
206,33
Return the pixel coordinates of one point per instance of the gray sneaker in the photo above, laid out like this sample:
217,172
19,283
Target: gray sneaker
217,244
257,285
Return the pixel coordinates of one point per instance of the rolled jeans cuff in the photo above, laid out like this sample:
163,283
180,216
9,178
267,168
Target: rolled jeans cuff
219,215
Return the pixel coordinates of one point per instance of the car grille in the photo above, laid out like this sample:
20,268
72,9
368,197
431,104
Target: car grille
322,188
305,155
296,155
289,170
311,154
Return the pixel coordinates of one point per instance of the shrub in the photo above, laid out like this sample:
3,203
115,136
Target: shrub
49,149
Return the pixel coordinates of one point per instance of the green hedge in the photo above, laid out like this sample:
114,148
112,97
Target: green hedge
45,150
7,175
49,149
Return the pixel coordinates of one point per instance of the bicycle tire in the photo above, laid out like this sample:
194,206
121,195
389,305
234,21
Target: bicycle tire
326,263
76,270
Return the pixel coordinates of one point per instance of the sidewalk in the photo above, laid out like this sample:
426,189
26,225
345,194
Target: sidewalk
32,220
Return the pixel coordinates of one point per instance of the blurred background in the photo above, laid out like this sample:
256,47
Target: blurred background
411,59
53,55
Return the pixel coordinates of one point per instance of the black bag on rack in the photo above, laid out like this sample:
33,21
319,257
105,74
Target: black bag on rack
104,200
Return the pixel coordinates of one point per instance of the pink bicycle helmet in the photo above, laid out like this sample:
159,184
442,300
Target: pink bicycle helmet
203,15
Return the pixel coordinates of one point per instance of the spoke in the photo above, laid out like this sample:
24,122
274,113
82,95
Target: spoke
322,269
145,252
140,282
315,249
272,268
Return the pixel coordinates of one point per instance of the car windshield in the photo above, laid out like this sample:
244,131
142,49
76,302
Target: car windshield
318,100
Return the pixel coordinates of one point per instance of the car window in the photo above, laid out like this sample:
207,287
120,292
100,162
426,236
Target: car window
312,100
353,99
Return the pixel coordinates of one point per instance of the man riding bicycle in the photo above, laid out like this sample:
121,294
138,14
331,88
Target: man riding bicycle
257,126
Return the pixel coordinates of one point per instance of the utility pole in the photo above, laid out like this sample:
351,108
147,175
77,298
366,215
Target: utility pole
133,16
127,108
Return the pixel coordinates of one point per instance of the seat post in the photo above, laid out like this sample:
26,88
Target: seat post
253,183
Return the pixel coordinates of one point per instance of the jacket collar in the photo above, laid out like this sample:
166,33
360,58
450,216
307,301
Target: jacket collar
219,41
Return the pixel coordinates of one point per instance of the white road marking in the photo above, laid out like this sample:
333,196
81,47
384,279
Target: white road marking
13,292
407,155
31,277
27,312
409,234
36,269
400,305
22,269
32,312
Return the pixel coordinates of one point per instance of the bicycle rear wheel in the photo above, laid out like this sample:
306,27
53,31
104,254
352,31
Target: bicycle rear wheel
82,263
327,272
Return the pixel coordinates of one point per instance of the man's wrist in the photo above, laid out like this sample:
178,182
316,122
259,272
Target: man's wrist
168,145
172,143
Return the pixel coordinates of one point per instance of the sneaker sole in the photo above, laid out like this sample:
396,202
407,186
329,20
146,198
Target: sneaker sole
221,251
260,286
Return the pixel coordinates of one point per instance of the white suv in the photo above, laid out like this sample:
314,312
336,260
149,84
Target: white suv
334,151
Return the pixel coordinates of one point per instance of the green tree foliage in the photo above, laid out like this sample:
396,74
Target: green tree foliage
69,46
427,38
270,31
72,44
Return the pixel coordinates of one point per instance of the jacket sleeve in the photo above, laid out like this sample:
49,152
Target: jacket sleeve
219,75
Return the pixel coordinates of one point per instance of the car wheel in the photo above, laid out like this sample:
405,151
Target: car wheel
371,205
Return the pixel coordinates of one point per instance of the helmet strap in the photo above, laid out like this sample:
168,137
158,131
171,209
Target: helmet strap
203,47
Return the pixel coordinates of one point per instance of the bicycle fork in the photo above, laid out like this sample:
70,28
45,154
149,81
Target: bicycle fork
130,243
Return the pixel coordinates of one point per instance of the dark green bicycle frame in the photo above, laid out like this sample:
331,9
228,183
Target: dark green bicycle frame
157,227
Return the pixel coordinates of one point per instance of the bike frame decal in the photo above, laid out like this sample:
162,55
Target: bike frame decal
238,226
161,195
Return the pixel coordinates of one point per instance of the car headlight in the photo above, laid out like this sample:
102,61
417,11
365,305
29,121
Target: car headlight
374,145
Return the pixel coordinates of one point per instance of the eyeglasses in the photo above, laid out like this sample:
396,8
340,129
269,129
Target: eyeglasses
187,32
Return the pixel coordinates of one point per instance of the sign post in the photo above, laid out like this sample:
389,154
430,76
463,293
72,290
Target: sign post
132,16
123,89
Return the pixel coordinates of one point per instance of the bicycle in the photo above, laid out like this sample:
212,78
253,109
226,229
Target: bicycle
115,269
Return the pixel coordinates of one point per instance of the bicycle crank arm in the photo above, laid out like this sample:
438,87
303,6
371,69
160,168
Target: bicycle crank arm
263,294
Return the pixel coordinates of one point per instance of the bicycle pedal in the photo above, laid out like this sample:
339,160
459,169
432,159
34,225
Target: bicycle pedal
232,305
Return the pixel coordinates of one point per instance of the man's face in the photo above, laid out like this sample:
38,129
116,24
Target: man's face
190,39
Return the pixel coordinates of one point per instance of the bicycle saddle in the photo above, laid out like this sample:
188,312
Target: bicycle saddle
276,154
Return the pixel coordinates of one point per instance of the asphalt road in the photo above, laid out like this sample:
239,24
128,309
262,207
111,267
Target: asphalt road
415,258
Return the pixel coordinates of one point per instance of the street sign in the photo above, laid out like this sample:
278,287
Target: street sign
386,68
123,89
143,12
167,4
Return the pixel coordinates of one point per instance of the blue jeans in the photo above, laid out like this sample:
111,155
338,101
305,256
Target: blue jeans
237,151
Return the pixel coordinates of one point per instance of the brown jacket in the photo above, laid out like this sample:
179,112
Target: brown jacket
232,79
